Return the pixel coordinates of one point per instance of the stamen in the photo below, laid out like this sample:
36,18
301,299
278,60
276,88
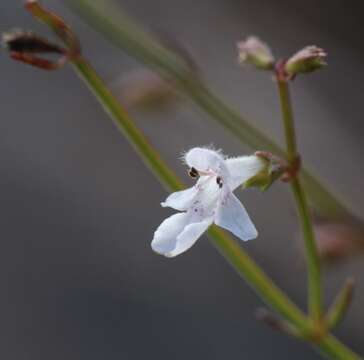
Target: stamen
193,172
219,181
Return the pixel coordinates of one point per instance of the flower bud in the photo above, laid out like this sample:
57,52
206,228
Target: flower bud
308,59
255,52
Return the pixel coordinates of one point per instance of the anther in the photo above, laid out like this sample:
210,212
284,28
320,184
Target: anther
193,172
219,181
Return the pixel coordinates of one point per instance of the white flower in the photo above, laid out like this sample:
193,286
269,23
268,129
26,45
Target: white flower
210,201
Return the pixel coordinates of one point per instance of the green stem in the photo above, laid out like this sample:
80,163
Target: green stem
341,304
126,34
287,116
233,253
331,347
258,280
312,259
121,119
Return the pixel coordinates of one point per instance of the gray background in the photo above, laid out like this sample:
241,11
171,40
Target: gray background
78,208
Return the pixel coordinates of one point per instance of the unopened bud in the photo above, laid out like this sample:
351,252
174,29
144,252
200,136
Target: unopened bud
255,52
308,59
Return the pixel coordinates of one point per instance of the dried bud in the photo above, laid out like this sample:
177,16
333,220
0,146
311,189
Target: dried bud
255,52
308,59
271,169
24,45
28,42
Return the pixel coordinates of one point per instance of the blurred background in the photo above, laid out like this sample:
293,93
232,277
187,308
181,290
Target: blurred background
78,208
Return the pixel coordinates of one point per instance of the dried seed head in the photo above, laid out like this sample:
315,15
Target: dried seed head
28,42
24,46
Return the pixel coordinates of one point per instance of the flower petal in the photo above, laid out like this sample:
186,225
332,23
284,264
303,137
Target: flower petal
243,168
181,200
205,160
189,236
231,215
165,237
178,233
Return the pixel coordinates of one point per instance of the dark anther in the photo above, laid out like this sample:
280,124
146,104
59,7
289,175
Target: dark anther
193,172
219,181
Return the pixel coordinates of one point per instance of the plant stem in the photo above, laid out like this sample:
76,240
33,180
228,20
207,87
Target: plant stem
287,117
332,348
125,33
121,119
258,280
312,259
341,304
232,252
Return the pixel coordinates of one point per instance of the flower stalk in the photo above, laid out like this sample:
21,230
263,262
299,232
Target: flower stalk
312,259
